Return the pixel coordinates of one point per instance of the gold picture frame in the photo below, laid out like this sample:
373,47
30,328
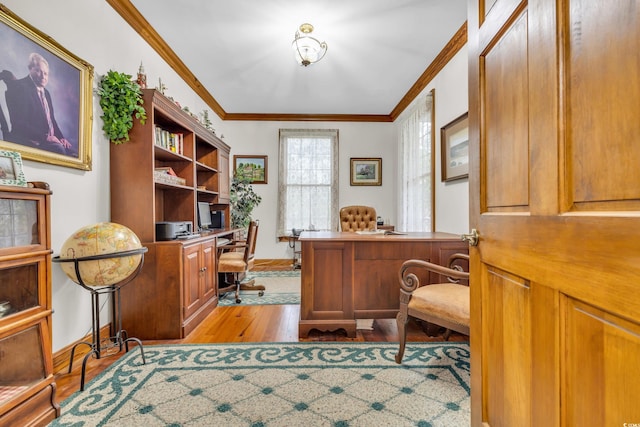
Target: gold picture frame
366,171
454,140
68,92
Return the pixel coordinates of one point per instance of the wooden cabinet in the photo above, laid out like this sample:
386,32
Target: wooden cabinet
199,274
176,287
27,387
175,290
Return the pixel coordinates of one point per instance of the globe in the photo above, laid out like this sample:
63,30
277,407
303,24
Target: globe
100,239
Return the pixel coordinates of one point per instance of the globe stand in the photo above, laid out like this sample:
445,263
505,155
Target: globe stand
119,338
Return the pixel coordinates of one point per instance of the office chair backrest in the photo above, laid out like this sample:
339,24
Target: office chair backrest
357,218
250,250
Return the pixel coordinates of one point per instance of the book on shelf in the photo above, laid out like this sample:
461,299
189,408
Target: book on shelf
169,140
167,169
162,176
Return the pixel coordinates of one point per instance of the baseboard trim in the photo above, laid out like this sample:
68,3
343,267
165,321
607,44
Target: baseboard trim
61,357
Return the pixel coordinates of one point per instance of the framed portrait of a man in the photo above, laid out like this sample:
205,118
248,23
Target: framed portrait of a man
45,97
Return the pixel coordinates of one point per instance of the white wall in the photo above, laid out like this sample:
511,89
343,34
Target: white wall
93,31
355,140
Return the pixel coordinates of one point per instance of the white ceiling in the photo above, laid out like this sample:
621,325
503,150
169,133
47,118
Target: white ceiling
240,50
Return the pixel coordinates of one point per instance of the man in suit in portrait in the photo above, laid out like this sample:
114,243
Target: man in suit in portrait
31,112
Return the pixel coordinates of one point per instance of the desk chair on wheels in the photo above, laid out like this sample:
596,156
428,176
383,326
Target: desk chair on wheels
235,260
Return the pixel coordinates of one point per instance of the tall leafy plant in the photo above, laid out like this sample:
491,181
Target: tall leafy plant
121,101
242,200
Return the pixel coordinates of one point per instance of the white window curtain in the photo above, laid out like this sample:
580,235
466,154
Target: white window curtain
308,180
415,210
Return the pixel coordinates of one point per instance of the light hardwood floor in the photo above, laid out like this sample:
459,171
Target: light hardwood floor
240,323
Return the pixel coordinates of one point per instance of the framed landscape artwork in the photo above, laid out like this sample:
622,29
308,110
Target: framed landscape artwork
45,97
454,138
366,171
253,168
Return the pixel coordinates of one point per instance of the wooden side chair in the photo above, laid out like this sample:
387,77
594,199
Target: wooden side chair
444,304
358,218
236,260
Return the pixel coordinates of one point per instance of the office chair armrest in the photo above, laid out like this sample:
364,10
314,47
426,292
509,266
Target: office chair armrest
409,281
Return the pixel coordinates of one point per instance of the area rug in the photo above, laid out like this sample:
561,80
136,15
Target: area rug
340,384
282,287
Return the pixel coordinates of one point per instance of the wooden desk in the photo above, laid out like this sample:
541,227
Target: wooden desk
349,276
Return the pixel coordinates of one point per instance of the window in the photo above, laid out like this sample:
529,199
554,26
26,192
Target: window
308,180
416,153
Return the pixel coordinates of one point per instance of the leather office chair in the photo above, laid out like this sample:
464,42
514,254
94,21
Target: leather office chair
358,218
445,304
237,261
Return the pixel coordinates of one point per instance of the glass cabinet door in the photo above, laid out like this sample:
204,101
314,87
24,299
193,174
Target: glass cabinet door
21,362
18,223
19,289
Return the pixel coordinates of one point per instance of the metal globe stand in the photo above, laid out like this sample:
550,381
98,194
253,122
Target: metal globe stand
119,338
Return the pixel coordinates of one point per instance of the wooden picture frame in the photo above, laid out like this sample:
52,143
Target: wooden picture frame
366,171
68,92
11,169
254,168
454,139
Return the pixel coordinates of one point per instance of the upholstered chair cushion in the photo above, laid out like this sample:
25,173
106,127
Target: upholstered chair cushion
357,218
448,301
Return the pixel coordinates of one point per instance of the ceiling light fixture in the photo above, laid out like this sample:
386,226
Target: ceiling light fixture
308,50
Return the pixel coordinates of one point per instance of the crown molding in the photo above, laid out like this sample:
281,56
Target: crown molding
135,19
454,45
276,117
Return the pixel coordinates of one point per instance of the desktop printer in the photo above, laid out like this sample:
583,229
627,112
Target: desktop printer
171,230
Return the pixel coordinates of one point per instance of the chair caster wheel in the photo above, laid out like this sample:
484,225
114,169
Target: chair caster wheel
261,293
238,300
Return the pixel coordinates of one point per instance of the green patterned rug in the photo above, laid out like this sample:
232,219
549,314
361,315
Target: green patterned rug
282,287
340,384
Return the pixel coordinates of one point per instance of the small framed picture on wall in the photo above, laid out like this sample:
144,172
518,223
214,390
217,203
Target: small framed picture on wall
253,168
366,171
454,138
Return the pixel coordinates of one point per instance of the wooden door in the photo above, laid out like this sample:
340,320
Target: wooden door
555,196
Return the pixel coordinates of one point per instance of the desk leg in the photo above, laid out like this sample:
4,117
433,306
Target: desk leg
305,326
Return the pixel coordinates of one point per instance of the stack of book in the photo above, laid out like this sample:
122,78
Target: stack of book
169,140
166,175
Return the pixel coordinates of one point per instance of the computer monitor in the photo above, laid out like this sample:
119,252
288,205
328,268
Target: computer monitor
204,215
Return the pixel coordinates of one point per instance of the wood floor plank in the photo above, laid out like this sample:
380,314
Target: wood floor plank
241,323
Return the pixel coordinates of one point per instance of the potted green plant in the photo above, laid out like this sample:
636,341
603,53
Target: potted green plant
242,200
121,101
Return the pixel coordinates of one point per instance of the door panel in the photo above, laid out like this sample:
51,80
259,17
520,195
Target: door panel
508,349
555,196
192,300
209,274
600,74
506,131
600,345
